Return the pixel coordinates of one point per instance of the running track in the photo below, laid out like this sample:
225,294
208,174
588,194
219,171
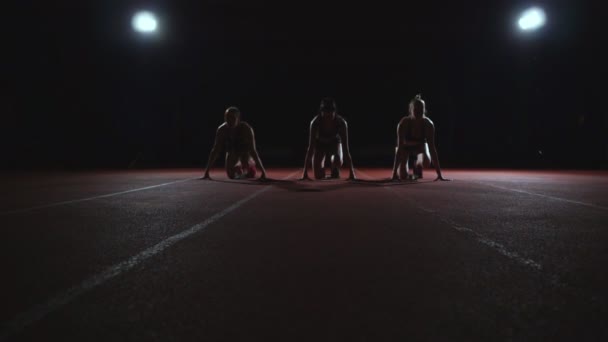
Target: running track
158,255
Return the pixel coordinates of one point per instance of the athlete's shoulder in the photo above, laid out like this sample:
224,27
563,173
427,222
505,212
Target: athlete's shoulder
244,124
222,127
405,120
341,120
428,121
314,120
245,128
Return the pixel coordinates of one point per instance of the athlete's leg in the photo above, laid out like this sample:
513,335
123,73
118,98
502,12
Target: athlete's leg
412,160
318,160
404,158
423,160
418,166
248,165
233,167
401,161
337,159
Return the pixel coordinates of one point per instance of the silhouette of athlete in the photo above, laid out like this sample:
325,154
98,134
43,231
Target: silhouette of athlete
237,139
415,139
328,133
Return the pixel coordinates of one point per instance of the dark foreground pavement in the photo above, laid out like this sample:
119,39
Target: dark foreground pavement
157,255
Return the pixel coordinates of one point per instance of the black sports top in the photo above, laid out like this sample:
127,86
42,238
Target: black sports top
420,137
331,134
234,141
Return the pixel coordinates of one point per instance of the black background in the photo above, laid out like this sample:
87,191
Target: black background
81,89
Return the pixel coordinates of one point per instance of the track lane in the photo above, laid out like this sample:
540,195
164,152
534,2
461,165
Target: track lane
255,270
332,261
24,192
64,245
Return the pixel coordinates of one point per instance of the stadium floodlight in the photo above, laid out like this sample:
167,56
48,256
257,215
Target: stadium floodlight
144,22
532,19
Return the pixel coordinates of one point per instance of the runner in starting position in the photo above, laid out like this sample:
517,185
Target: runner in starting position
328,133
237,139
415,138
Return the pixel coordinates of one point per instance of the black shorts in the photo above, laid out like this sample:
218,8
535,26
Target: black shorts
418,149
332,148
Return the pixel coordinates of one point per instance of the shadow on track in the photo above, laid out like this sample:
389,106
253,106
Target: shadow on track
297,185
387,182
268,181
319,185
323,185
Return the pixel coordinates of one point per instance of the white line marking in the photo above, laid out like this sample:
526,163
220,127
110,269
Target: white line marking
480,238
38,312
541,195
18,211
495,245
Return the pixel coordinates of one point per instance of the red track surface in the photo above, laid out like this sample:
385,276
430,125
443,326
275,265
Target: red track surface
493,255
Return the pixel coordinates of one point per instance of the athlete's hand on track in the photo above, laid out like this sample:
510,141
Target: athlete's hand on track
206,176
440,178
305,177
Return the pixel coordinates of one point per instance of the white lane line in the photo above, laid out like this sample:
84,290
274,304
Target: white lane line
542,195
479,237
490,243
23,210
25,319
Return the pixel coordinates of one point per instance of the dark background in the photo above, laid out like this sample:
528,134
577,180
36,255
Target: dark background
81,89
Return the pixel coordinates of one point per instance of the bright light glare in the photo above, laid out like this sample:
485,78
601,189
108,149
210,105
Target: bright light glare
144,22
532,19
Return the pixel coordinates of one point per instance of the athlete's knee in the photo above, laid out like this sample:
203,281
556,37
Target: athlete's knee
337,162
319,170
402,153
403,163
234,171
412,159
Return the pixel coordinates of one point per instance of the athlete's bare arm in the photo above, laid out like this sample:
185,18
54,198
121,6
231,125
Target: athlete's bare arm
218,145
311,149
399,150
253,151
430,137
347,158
